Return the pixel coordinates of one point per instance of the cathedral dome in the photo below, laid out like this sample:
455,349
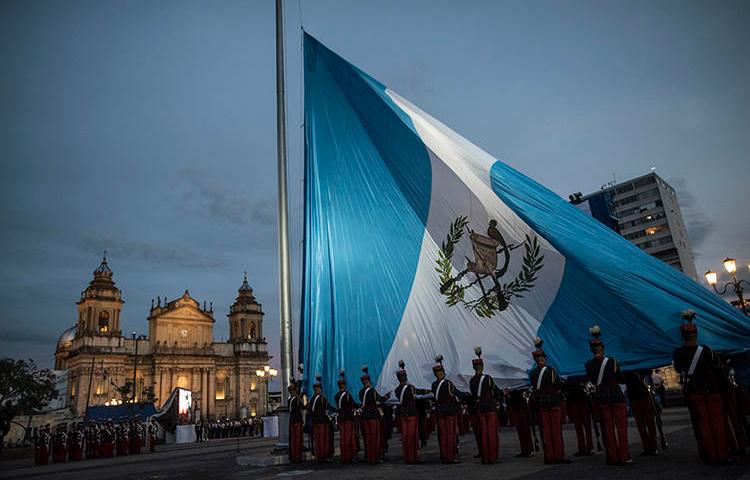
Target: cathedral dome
66,339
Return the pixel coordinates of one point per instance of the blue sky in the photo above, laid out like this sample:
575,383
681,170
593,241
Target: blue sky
148,129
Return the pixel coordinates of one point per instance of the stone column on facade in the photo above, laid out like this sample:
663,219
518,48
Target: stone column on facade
203,392
211,391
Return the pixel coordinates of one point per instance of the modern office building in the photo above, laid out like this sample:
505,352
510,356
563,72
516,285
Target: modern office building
645,211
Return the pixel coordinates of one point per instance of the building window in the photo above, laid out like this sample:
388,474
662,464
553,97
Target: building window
73,389
99,387
103,322
221,388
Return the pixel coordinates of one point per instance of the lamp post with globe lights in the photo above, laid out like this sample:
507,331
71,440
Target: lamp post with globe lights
267,374
730,265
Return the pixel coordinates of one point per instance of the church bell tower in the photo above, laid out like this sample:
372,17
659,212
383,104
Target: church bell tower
245,317
100,305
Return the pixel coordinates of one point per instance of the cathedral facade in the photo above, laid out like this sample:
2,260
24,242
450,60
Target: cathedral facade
179,351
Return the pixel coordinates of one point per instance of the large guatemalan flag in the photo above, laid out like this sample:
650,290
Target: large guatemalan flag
419,243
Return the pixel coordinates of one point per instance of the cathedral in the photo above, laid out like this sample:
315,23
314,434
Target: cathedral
179,351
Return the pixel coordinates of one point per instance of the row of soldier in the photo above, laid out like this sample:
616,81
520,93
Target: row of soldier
88,440
228,428
714,400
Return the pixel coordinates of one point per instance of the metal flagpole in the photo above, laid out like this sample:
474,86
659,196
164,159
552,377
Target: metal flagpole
285,286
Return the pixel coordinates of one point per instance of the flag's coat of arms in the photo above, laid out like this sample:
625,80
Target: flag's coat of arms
417,242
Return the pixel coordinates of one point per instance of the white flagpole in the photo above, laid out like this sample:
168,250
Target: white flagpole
285,286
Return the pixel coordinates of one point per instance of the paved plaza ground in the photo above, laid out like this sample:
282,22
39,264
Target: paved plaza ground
219,460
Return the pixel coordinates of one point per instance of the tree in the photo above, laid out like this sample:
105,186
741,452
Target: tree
24,388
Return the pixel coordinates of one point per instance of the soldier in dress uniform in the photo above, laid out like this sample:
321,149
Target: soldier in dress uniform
60,443
41,446
345,408
407,414
121,433
697,366
519,414
136,435
644,411
604,373
153,430
296,423
321,422
370,400
106,439
75,443
579,414
446,410
730,392
547,388
485,393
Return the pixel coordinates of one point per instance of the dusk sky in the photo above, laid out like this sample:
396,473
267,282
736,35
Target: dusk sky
148,129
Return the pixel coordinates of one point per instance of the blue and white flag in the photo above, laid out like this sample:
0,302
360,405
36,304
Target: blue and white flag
419,243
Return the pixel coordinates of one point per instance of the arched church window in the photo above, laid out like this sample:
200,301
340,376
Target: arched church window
103,322
252,330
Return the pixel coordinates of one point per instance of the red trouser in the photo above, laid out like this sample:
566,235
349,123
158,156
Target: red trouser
581,417
736,433
42,455
521,420
347,440
490,444
106,449
447,437
477,432
373,440
321,441
708,417
551,420
645,420
409,439
615,431
295,441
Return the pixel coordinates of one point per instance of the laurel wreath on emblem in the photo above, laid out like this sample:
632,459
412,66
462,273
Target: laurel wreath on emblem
498,296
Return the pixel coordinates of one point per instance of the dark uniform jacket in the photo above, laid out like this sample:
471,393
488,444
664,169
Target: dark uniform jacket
704,378
547,388
345,405
295,409
486,399
318,408
575,391
609,390
636,386
516,399
370,398
446,400
407,396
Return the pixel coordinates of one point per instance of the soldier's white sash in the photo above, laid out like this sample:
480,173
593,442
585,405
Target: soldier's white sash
696,357
539,379
601,371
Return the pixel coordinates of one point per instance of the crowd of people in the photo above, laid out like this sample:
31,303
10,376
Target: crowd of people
228,428
78,441
717,404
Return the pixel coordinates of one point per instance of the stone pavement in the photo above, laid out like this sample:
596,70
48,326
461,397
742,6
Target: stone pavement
219,459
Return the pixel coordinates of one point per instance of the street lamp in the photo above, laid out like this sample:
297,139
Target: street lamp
267,373
730,265
135,363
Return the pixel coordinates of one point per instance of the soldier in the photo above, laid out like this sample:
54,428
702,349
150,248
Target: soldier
484,393
697,366
122,437
106,439
580,416
370,399
318,409
446,409
548,398
75,444
296,423
605,374
644,413
153,430
136,435
345,408
407,414
41,446
60,443
520,416
730,392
